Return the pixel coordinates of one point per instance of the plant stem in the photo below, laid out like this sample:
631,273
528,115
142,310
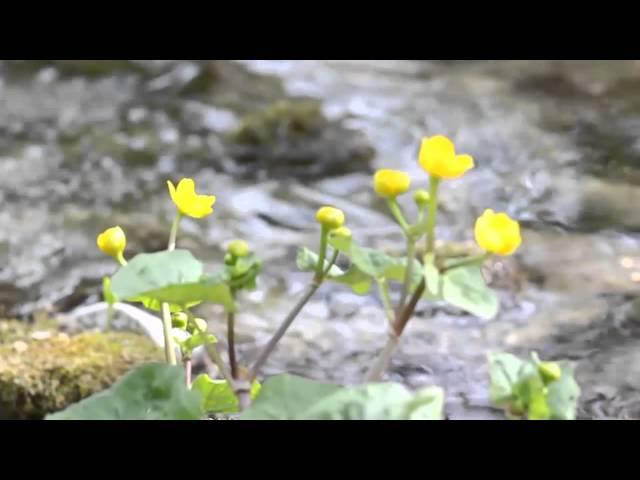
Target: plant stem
324,234
397,214
169,347
411,253
404,313
383,359
433,212
121,260
382,362
331,263
286,323
231,344
110,312
187,370
173,234
383,287
217,359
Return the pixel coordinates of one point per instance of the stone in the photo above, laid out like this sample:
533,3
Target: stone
46,376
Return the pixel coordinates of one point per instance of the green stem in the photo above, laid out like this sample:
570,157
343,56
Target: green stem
383,287
169,346
232,344
121,260
397,214
324,234
174,232
433,212
110,312
331,263
411,254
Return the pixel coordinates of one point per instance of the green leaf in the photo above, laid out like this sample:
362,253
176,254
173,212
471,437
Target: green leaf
307,261
196,340
359,282
396,269
340,242
504,373
464,287
563,395
174,277
148,392
287,397
242,274
379,401
218,396
108,295
187,294
370,261
432,277
156,305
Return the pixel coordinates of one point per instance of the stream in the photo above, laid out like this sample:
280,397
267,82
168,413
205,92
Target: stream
88,144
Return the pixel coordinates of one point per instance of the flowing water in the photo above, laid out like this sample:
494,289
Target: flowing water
87,145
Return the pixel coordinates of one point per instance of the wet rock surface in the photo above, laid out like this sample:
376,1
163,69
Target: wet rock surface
86,146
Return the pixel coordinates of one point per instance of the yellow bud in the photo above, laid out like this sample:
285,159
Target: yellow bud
421,197
330,217
438,157
238,248
497,233
391,183
550,371
189,203
112,241
343,232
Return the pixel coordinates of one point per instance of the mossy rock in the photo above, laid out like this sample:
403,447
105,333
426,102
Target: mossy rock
15,330
48,373
293,138
282,119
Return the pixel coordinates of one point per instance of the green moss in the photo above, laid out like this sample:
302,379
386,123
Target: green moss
38,377
14,330
285,118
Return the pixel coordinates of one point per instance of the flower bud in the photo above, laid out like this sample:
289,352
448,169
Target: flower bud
238,248
550,371
391,183
112,241
330,217
421,197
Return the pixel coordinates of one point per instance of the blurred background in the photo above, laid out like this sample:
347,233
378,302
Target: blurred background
85,145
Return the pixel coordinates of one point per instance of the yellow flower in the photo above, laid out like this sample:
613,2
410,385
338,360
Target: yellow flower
330,217
391,183
189,203
112,242
497,233
342,232
438,157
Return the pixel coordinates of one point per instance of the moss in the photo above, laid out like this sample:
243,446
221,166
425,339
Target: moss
40,376
15,330
287,118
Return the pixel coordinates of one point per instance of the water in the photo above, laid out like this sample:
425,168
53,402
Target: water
555,146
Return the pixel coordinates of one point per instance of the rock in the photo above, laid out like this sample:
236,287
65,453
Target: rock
45,376
345,304
293,139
